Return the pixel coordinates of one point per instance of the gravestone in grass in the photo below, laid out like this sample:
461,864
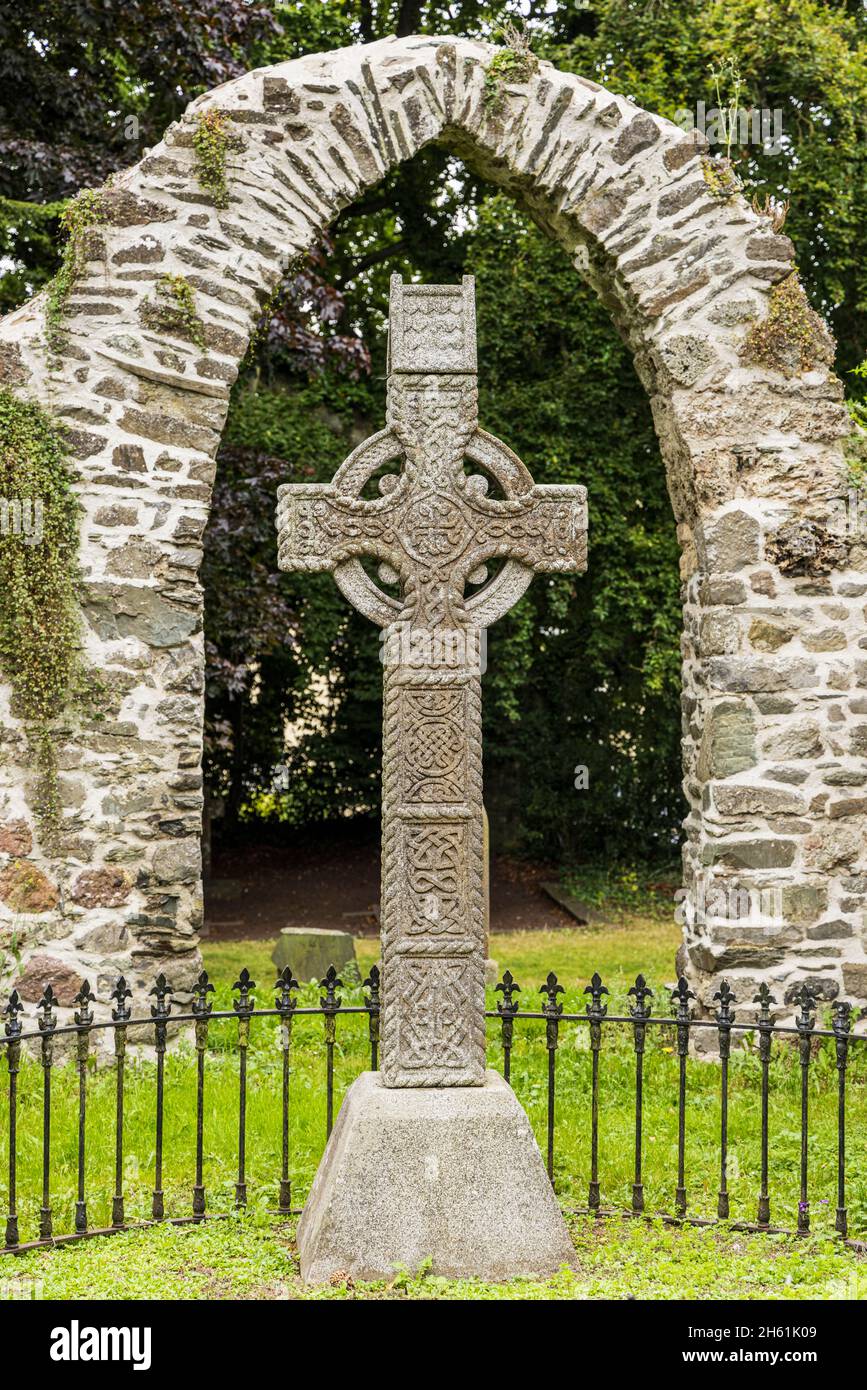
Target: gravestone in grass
310,951
432,1157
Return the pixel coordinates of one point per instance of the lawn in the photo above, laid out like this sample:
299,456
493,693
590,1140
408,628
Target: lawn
254,1258
613,1255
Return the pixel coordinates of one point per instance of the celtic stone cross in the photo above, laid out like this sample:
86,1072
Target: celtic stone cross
427,505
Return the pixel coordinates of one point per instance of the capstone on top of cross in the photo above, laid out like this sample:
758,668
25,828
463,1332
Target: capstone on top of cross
434,528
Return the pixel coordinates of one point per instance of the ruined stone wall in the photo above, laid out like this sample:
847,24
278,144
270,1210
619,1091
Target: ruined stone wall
775,672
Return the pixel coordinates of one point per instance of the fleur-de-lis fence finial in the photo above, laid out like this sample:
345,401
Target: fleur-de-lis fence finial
596,989
161,1009
765,999
842,1020
507,1008
596,1010
551,988
806,998
724,996
201,1003
640,992
331,984
85,997
551,1009
285,985
12,1013
640,1010
244,1004
680,998
121,1013
46,1018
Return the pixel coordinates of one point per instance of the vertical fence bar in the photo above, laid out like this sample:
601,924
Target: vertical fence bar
373,1005
805,1023
596,1011
680,998
841,1025
764,999
83,1018
120,1014
507,1007
243,1008
47,1024
159,1013
285,1004
13,1058
330,1004
202,1010
552,1011
724,1019
640,1012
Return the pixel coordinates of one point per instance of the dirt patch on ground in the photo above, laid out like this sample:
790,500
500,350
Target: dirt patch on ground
332,880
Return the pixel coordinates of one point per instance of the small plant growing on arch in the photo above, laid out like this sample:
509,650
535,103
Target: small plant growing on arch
791,338
211,143
516,62
174,310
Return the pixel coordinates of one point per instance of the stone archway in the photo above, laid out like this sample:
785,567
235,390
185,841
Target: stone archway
774,680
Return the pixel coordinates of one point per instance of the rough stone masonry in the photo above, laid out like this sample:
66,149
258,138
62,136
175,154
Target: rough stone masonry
774,660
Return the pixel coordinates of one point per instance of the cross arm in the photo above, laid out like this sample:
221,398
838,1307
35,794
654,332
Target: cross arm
544,529
318,529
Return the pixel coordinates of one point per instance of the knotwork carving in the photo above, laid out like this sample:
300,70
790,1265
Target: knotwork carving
432,529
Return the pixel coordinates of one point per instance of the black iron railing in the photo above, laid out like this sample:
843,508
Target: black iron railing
202,1014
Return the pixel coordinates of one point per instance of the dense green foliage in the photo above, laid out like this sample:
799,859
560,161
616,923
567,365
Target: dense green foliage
582,672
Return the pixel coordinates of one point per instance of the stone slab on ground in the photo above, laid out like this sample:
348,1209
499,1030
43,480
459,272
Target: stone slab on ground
310,951
584,915
451,1174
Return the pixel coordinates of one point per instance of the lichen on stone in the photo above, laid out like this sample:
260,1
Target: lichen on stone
174,310
791,338
806,548
720,177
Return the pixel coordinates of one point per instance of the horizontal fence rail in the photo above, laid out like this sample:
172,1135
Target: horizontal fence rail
201,1015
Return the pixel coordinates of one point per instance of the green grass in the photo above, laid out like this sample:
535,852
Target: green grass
618,953
250,1258
621,890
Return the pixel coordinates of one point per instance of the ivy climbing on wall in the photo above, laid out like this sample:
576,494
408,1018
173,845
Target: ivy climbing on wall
39,616
80,215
